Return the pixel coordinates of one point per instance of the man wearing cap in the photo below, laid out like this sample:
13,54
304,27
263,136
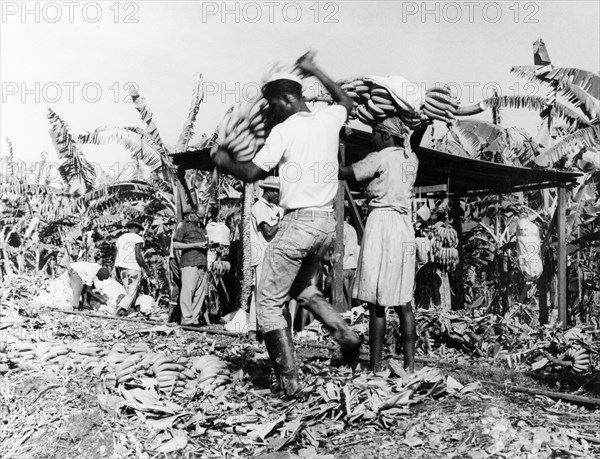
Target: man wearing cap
265,218
304,147
82,275
190,237
386,266
129,263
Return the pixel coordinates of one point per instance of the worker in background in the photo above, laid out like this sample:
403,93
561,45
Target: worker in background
386,267
350,262
191,239
302,141
129,263
265,216
82,275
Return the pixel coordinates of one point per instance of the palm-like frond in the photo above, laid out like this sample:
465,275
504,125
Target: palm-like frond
522,146
538,104
581,99
475,135
571,144
140,104
531,72
588,81
188,128
75,169
136,140
98,201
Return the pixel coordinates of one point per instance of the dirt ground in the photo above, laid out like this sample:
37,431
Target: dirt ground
63,412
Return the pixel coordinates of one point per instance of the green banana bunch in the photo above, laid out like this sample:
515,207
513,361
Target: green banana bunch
580,359
440,104
443,246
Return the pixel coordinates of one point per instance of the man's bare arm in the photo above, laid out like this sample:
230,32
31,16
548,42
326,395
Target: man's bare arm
307,65
268,231
189,245
247,171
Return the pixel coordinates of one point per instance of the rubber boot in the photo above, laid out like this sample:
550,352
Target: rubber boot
377,325
280,348
409,334
314,301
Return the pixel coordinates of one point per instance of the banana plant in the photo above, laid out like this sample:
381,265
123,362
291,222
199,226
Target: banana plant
76,171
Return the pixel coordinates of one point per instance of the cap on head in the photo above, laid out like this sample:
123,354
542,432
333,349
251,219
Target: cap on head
135,223
270,183
281,83
283,76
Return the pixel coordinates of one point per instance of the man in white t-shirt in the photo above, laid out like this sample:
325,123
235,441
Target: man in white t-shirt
129,263
82,275
304,146
265,218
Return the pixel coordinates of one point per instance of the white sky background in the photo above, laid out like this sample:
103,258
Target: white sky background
173,40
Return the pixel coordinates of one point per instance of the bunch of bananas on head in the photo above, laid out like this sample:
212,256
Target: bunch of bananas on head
443,246
440,104
373,103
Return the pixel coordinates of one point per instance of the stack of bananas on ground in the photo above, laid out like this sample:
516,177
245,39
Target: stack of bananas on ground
211,369
443,246
373,103
440,104
580,359
127,364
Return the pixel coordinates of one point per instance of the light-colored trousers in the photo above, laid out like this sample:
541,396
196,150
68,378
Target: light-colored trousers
130,278
252,317
194,282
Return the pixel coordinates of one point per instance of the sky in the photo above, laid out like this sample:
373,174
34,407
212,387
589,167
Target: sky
78,57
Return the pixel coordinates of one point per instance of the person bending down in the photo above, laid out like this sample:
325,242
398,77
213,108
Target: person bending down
81,277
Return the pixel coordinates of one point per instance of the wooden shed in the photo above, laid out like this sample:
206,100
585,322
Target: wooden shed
441,174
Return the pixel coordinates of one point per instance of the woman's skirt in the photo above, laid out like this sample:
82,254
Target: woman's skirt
386,266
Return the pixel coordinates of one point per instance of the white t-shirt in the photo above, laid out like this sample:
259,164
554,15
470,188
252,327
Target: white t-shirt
87,270
262,212
126,251
305,146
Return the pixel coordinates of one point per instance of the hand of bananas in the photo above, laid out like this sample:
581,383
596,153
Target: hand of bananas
243,131
579,358
443,246
121,364
440,104
220,267
373,103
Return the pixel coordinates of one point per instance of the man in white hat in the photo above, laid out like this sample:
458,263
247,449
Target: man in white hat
265,217
304,147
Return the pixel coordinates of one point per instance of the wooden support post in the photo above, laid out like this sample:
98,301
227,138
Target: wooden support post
562,255
458,276
338,251
542,286
355,214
